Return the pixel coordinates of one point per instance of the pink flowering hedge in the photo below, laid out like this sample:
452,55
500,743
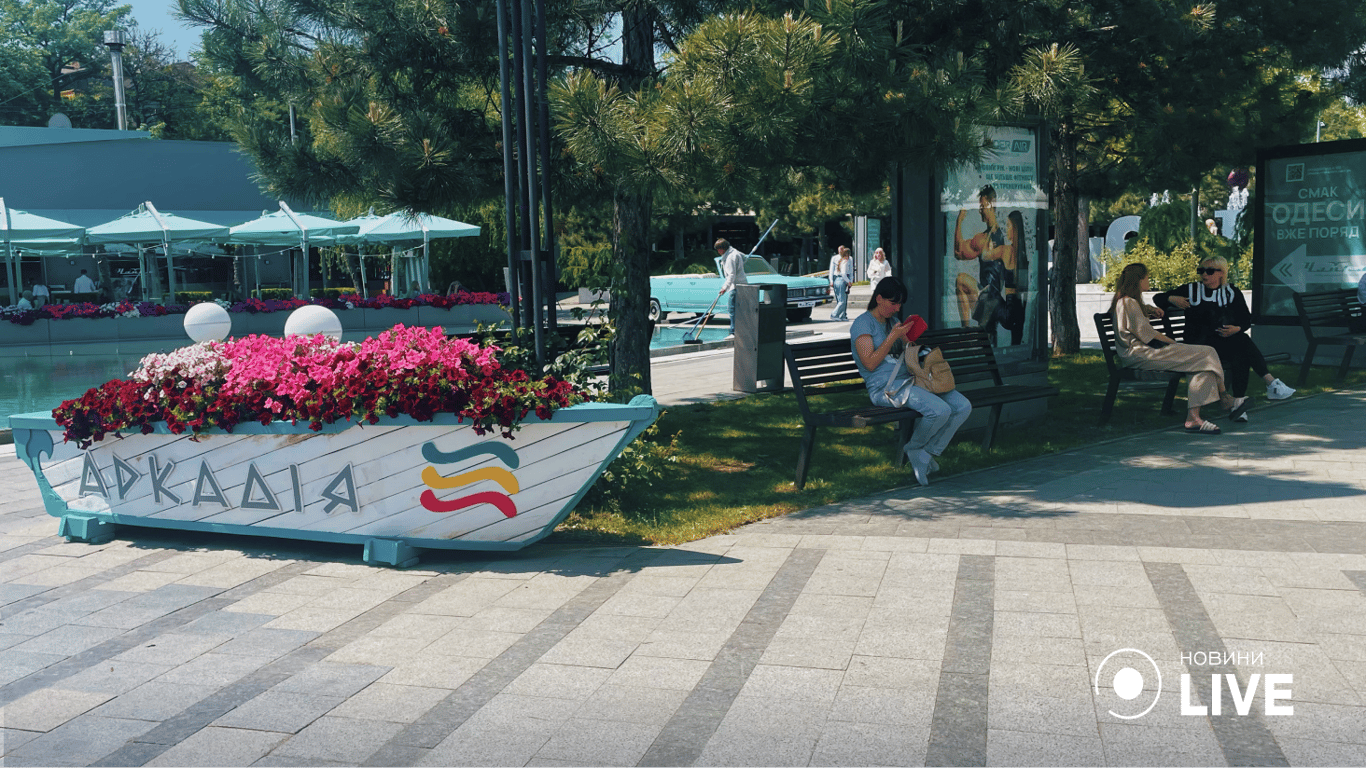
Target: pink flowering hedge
254,306
413,371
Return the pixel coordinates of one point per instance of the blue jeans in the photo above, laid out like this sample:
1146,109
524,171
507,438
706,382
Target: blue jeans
841,300
941,415
732,311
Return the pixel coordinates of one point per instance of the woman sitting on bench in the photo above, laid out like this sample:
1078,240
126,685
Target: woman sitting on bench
1139,345
878,340
1217,316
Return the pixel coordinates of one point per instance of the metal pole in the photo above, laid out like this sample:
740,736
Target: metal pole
114,41
509,177
9,253
166,246
425,266
532,190
142,273
523,213
299,280
548,250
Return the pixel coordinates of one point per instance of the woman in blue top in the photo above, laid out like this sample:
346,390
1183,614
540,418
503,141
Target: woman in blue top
878,339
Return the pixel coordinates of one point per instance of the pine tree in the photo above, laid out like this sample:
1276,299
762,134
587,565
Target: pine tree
1156,93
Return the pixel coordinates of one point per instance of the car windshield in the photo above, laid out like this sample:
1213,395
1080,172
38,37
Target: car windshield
755,265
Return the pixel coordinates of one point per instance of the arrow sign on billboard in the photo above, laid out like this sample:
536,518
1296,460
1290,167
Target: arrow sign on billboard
1298,269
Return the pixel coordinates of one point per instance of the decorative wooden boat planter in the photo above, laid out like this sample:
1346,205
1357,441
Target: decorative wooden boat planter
395,487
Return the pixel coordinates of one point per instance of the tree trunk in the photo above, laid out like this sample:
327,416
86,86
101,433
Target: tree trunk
630,363
1062,280
629,310
1083,241
353,269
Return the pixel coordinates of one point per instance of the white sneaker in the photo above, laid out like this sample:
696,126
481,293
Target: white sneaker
1277,390
920,465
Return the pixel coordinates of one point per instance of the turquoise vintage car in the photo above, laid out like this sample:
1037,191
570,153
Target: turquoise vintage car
695,293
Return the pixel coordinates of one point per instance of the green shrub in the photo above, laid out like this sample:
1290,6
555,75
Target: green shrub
331,293
1169,269
586,266
628,485
1167,225
193,297
274,293
699,261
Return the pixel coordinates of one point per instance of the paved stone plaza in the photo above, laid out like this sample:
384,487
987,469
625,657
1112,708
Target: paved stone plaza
963,624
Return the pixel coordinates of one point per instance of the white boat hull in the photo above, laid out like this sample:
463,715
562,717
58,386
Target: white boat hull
400,483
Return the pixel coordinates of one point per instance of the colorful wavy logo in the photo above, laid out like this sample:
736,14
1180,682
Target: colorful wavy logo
437,481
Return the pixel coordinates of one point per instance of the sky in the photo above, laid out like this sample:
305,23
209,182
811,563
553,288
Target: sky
157,15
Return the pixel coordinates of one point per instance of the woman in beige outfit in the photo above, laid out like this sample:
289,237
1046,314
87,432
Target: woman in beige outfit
1139,345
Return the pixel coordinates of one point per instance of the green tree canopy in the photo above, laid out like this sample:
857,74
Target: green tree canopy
51,46
1155,93
749,100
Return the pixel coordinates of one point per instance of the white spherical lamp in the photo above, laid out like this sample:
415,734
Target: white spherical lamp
314,319
207,322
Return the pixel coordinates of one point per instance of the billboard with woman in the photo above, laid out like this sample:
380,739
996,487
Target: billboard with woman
994,258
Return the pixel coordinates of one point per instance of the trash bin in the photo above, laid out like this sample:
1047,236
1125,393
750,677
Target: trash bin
760,330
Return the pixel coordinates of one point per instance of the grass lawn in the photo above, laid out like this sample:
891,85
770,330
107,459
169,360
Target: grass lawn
736,459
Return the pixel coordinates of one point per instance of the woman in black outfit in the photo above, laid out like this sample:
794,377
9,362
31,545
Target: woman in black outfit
1217,315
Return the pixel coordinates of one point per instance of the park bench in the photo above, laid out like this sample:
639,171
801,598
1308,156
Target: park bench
1173,326
1323,310
828,367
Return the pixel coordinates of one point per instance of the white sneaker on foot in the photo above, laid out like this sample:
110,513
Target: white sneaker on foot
1277,390
920,465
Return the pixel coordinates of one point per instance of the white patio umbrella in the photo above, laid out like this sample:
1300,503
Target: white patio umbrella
360,221
285,227
402,227
20,228
147,224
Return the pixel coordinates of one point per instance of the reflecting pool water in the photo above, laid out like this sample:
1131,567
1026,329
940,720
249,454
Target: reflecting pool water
675,335
42,382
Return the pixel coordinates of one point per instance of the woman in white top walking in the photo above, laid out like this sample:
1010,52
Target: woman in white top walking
841,277
878,268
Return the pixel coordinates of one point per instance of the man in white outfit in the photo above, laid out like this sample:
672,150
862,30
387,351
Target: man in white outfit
83,284
733,270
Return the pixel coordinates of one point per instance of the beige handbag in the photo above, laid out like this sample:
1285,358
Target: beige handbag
932,374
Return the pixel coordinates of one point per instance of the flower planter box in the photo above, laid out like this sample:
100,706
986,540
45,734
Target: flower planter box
26,335
464,317
263,323
393,486
358,323
377,320
134,328
79,329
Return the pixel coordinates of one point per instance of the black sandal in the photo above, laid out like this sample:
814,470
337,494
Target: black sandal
1205,428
